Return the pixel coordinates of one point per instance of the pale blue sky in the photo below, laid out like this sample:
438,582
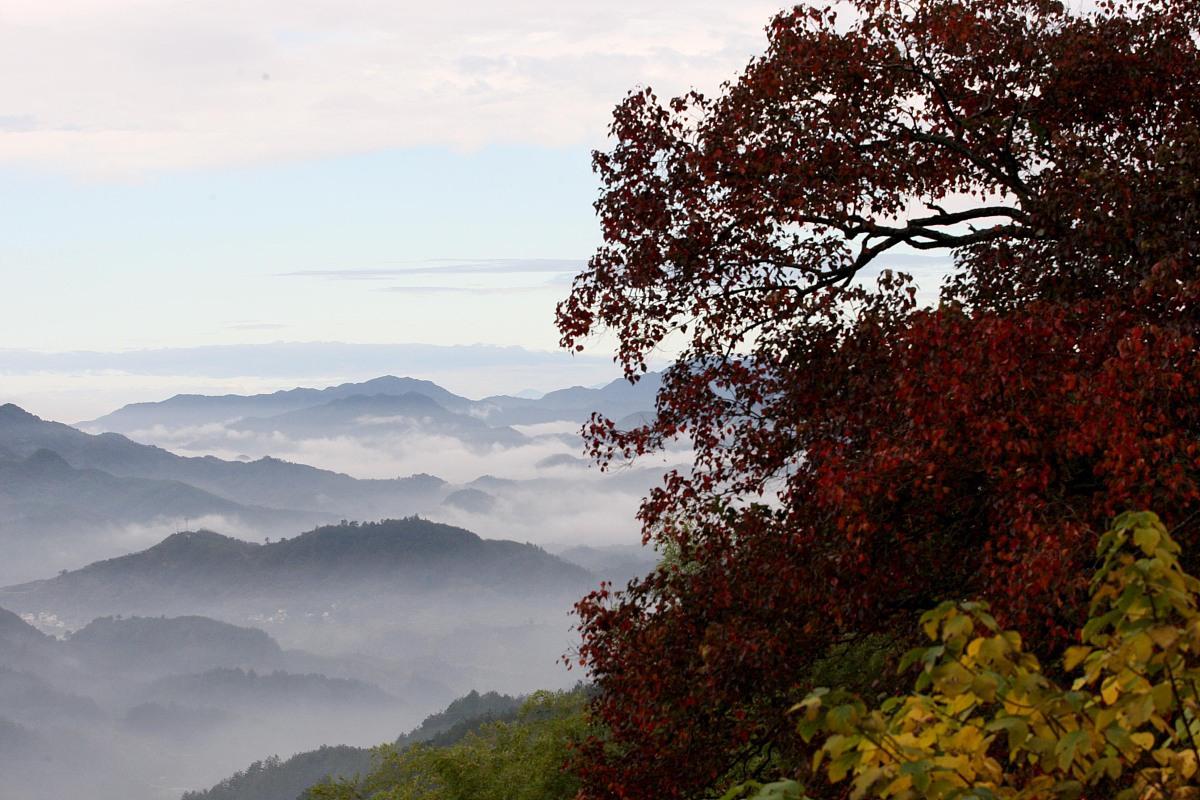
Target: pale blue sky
161,164
178,175
202,256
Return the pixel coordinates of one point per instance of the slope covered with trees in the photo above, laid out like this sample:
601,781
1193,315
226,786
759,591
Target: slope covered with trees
277,779
520,759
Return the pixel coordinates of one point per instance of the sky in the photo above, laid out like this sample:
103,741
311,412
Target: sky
181,175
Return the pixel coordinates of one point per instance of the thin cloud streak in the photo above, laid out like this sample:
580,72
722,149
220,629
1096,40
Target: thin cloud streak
497,266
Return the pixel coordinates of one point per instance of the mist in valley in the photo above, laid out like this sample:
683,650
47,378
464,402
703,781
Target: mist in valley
290,452
197,584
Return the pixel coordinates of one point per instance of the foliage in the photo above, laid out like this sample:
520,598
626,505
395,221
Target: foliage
518,760
275,779
985,722
859,456
463,716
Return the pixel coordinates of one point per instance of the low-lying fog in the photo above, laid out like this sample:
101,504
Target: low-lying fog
174,614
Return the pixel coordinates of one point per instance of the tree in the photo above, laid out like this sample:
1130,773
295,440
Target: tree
858,456
518,760
986,723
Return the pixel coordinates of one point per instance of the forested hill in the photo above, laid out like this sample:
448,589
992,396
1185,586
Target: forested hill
163,645
398,557
276,779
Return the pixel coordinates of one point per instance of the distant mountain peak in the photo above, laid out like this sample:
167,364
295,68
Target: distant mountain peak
10,412
198,536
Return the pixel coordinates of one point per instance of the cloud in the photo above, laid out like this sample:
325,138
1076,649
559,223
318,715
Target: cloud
492,266
87,384
544,491
506,275
475,290
122,87
255,326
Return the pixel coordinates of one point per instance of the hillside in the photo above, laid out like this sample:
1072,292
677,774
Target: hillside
54,516
276,779
616,399
373,415
196,409
350,562
162,645
266,482
235,689
21,645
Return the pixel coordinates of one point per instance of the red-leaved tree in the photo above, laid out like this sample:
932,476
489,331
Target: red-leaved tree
858,456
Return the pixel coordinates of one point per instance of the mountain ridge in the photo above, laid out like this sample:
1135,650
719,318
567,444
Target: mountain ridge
366,562
618,398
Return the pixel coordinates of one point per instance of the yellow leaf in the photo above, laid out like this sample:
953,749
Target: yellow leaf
901,784
1164,636
1187,764
1075,656
1147,539
1143,740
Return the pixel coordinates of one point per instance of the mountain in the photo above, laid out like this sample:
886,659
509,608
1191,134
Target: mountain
22,646
370,416
616,399
619,563
268,482
276,779
27,699
184,410
474,501
165,645
240,690
351,564
47,491
53,515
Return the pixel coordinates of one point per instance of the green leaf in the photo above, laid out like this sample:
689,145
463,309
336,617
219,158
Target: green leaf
1067,747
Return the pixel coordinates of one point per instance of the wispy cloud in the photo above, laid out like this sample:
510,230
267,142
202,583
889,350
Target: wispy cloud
491,266
472,290
255,326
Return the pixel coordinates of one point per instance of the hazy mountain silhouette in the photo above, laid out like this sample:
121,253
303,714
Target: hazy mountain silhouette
474,501
241,690
28,699
372,415
166,645
53,515
616,399
46,491
22,646
268,482
197,409
350,563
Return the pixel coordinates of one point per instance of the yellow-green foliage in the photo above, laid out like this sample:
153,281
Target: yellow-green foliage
518,760
985,722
